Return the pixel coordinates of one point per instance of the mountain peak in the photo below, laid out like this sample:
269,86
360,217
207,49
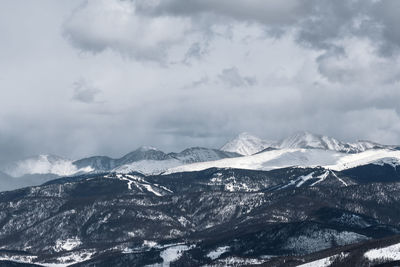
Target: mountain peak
304,139
246,144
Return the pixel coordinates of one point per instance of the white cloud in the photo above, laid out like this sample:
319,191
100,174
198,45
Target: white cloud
98,25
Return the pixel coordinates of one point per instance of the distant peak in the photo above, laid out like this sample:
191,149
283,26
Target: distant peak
246,144
304,139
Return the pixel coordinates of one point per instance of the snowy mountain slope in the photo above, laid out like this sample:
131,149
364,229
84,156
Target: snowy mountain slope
201,154
298,157
143,153
149,160
294,150
103,163
265,160
247,144
310,140
378,156
149,166
43,164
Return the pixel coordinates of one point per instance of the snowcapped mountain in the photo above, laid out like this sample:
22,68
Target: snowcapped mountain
149,160
201,154
43,164
148,167
310,140
245,151
287,157
103,163
143,153
247,144
158,162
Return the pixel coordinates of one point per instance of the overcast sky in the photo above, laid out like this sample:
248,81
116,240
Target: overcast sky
85,77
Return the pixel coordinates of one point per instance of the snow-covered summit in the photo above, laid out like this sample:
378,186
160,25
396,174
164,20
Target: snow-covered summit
309,140
247,144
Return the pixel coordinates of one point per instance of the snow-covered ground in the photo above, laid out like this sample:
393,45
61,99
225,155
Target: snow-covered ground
63,261
215,254
298,157
387,253
149,166
137,182
170,254
325,262
67,244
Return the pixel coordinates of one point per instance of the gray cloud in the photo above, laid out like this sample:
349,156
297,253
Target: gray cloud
264,11
96,26
232,78
83,92
197,83
330,67
387,14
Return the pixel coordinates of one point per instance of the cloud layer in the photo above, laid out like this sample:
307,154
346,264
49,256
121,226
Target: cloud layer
103,77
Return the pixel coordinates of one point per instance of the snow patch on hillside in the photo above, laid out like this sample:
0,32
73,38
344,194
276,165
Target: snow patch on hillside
325,262
387,253
173,253
149,167
67,244
215,254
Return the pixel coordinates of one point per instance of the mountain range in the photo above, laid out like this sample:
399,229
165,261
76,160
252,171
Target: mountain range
307,200
244,151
